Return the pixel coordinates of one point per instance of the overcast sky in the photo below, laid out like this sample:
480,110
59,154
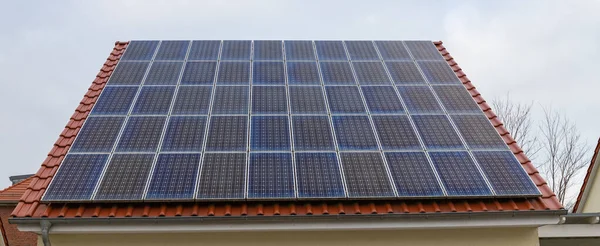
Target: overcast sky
50,52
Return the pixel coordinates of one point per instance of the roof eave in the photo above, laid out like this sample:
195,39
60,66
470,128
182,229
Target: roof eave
588,180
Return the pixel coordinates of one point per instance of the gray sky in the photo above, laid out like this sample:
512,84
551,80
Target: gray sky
542,51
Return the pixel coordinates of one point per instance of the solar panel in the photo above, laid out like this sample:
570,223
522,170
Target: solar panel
459,174
362,50
227,133
456,99
371,73
423,50
331,51
312,133
271,175
125,178
141,134
163,73
412,174
405,73
205,50
268,73
174,177
303,73
420,100
337,73
307,100
269,100
299,50
354,133
172,50
396,133
115,101
154,100
199,73
268,50
438,72
236,50
505,173
318,175
344,100
192,100
76,178
366,175
437,132
184,133
231,100
140,50
128,73
382,100
478,132
393,50
98,134
234,73
270,133
223,176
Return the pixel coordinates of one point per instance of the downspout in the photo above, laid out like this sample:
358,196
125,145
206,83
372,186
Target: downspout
45,228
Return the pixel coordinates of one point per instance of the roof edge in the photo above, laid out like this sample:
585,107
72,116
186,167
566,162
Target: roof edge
590,175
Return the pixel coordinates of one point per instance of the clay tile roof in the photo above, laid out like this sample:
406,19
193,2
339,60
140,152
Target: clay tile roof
589,175
30,206
14,192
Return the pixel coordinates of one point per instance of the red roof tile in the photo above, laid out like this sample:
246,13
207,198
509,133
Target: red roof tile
30,206
587,178
14,192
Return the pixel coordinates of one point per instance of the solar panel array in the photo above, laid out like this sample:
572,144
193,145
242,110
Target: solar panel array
235,120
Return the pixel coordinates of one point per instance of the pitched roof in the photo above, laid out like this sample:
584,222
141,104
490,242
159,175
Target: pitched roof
30,205
12,193
590,174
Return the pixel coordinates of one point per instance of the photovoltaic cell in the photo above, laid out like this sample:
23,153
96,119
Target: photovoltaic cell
223,176
392,50
413,175
141,134
154,100
270,133
437,132
163,73
128,73
199,73
307,100
337,73
312,133
227,133
396,133
268,50
371,73
268,73
478,132
318,175
362,50
184,133
234,73
231,100
269,100
98,134
405,73
459,174
271,175
344,100
354,133
125,178
299,50
456,99
438,72
303,73
115,101
420,100
76,178
366,175
382,100
192,100
172,50
331,51
505,173
423,50
204,50
140,50
236,50
174,177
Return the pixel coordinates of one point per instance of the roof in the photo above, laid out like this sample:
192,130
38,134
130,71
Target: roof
30,205
15,191
590,174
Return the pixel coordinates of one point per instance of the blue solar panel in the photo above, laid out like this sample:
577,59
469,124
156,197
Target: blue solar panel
371,73
231,100
115,101
331,51
393,50
312,133
505,173
307,100
234,73
174,177
154,100
163,73
192,100
141,134
318,175
366,176
140,50
125,178
478,132
420,100
345,100
459,174
382,100
199,73
362,50
172,50
269,100
412,174
271,175
456,99
337,73
98,134
299,50
437,132
76,178
438,72
205,50
270,133
236,50
268,50
184,133
227,133
223,176
405,73
268,73
396,133
354,133
303,73
423,50
128,73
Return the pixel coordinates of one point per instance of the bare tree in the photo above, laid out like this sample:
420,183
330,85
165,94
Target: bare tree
518,121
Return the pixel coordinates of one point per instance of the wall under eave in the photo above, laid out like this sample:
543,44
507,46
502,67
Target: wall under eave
592,201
